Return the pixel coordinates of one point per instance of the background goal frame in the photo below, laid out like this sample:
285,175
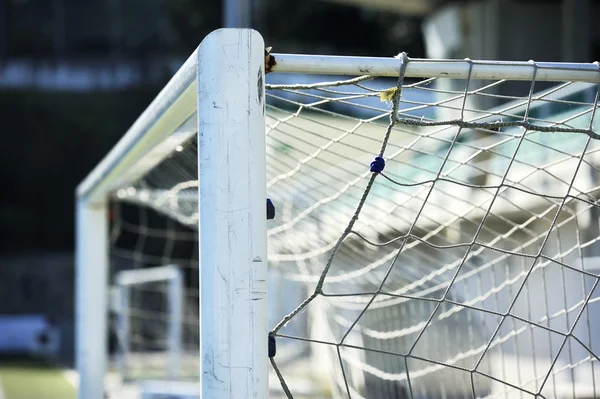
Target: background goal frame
125,280
219,94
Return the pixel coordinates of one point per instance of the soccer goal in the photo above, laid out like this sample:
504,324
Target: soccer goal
435,234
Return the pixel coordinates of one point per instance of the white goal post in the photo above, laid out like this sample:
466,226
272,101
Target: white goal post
125,281
219,94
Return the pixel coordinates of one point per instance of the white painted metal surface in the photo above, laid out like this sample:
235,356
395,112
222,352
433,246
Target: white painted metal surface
148,275
169,111
427,68
91,298
232,192
175,328
123,332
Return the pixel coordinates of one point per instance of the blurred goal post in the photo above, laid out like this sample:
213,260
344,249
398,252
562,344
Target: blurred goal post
219,94
127,281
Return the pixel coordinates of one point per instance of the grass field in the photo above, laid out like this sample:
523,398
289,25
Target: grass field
33,379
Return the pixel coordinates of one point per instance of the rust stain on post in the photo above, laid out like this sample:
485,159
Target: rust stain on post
269,60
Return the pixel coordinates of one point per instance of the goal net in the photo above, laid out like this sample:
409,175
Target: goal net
435,235
154,269
459,262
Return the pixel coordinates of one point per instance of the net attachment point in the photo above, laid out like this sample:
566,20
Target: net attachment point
377,165
270,210
272,345
269,60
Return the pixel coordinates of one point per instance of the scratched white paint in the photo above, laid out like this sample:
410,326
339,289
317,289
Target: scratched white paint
427,68
232,192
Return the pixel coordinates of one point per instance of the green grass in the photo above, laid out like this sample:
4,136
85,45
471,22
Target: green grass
31,379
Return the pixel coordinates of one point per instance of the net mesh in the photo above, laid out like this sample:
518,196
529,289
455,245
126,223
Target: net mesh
148,346
142,238
460,263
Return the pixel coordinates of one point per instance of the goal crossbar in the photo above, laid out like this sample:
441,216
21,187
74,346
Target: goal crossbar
170,119
166,123
431,68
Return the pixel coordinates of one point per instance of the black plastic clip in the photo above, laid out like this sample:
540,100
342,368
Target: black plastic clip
272,345
270,210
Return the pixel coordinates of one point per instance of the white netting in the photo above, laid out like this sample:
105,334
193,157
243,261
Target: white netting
467,268
142,238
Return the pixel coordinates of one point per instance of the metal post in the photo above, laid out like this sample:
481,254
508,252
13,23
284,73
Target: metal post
123,331
175,325
232,195
91,291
